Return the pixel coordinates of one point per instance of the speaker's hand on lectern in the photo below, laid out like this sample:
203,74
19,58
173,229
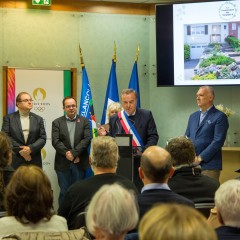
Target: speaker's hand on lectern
101,130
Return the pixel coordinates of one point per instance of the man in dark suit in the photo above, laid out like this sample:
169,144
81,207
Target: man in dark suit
138,122
155,170
26,131
207,129
227,202
71,139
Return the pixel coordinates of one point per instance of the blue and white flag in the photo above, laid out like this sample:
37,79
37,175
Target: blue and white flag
86,103
134,83
112,92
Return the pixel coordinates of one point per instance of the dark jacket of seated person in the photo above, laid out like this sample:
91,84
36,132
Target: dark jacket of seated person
155,170
190,183
103,160
187,179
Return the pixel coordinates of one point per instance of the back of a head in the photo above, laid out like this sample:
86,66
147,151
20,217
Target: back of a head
5,150
227,201
181,150
113,107
175,222
156,164
104,152
28,195
113,209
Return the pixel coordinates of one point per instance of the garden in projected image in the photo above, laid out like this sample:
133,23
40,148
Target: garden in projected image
212,51
206,43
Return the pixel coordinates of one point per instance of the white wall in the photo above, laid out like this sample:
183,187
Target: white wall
48,39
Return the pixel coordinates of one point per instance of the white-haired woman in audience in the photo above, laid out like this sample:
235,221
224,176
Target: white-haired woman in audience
112,212
227,202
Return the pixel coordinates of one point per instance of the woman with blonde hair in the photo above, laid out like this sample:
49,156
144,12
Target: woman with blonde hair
175,222
112,109
6,170
29,204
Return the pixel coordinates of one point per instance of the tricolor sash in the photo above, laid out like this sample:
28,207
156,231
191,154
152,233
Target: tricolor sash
129,128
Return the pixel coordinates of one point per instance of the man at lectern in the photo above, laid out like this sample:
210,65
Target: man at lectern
138,122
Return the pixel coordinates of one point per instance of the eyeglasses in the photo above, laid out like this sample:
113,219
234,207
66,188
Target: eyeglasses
70,106
26,100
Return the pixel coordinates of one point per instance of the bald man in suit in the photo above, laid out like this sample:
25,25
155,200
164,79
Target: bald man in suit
155,170
26,131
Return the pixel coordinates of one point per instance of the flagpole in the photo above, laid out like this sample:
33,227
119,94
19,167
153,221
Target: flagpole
134,82
112,87
137,53
115,52
81,57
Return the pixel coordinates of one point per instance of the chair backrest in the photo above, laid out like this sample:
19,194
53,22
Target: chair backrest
132,236
204,208
79,220
79,234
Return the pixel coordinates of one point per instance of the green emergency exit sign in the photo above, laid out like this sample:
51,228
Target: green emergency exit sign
41,2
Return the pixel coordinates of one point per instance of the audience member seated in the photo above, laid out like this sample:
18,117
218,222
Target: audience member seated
155,170
227,202
29,204
187,179
112,212
6,170
112,109
213,219
103,160
175,222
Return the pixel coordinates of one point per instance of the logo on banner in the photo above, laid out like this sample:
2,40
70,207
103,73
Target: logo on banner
39,95
43,153
227,11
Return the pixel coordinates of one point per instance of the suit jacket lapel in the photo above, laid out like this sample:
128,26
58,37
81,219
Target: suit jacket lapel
197,126
77,130
19,126
31,126
137,120
63,125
